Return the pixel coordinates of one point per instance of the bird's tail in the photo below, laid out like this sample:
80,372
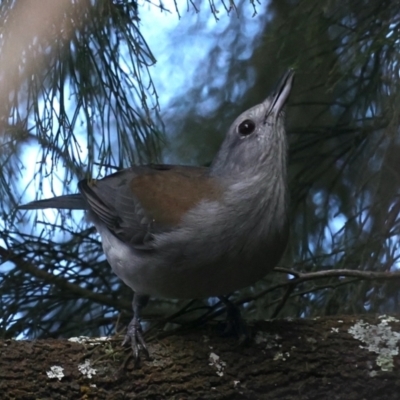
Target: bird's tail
69,201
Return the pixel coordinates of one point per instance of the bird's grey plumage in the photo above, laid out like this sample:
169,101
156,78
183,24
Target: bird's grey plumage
187,232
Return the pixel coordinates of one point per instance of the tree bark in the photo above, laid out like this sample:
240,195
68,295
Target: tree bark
327,358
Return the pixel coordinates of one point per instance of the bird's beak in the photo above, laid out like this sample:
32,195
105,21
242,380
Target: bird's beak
281,94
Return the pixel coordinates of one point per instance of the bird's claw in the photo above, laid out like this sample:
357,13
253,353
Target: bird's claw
134,337
235,324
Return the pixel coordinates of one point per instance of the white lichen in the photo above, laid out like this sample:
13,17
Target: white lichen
281,356
388,318
88,340
269,340
217,363
56,372
86,369
379,339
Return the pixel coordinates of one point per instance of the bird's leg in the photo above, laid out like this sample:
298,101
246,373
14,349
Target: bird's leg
134,332
235,323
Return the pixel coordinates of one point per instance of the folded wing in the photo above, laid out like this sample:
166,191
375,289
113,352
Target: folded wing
138,202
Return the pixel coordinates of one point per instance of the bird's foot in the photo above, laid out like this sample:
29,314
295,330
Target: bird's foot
134,337
235,324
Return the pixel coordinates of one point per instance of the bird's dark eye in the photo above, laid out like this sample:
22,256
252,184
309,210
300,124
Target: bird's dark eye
246,127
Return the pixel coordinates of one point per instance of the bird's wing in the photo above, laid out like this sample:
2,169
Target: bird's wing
137,202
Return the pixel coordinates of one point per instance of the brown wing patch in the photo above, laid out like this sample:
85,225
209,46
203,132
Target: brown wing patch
167,195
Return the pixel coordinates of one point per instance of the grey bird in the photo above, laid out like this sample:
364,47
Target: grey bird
193,232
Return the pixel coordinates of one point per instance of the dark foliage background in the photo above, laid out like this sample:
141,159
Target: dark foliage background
76,81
